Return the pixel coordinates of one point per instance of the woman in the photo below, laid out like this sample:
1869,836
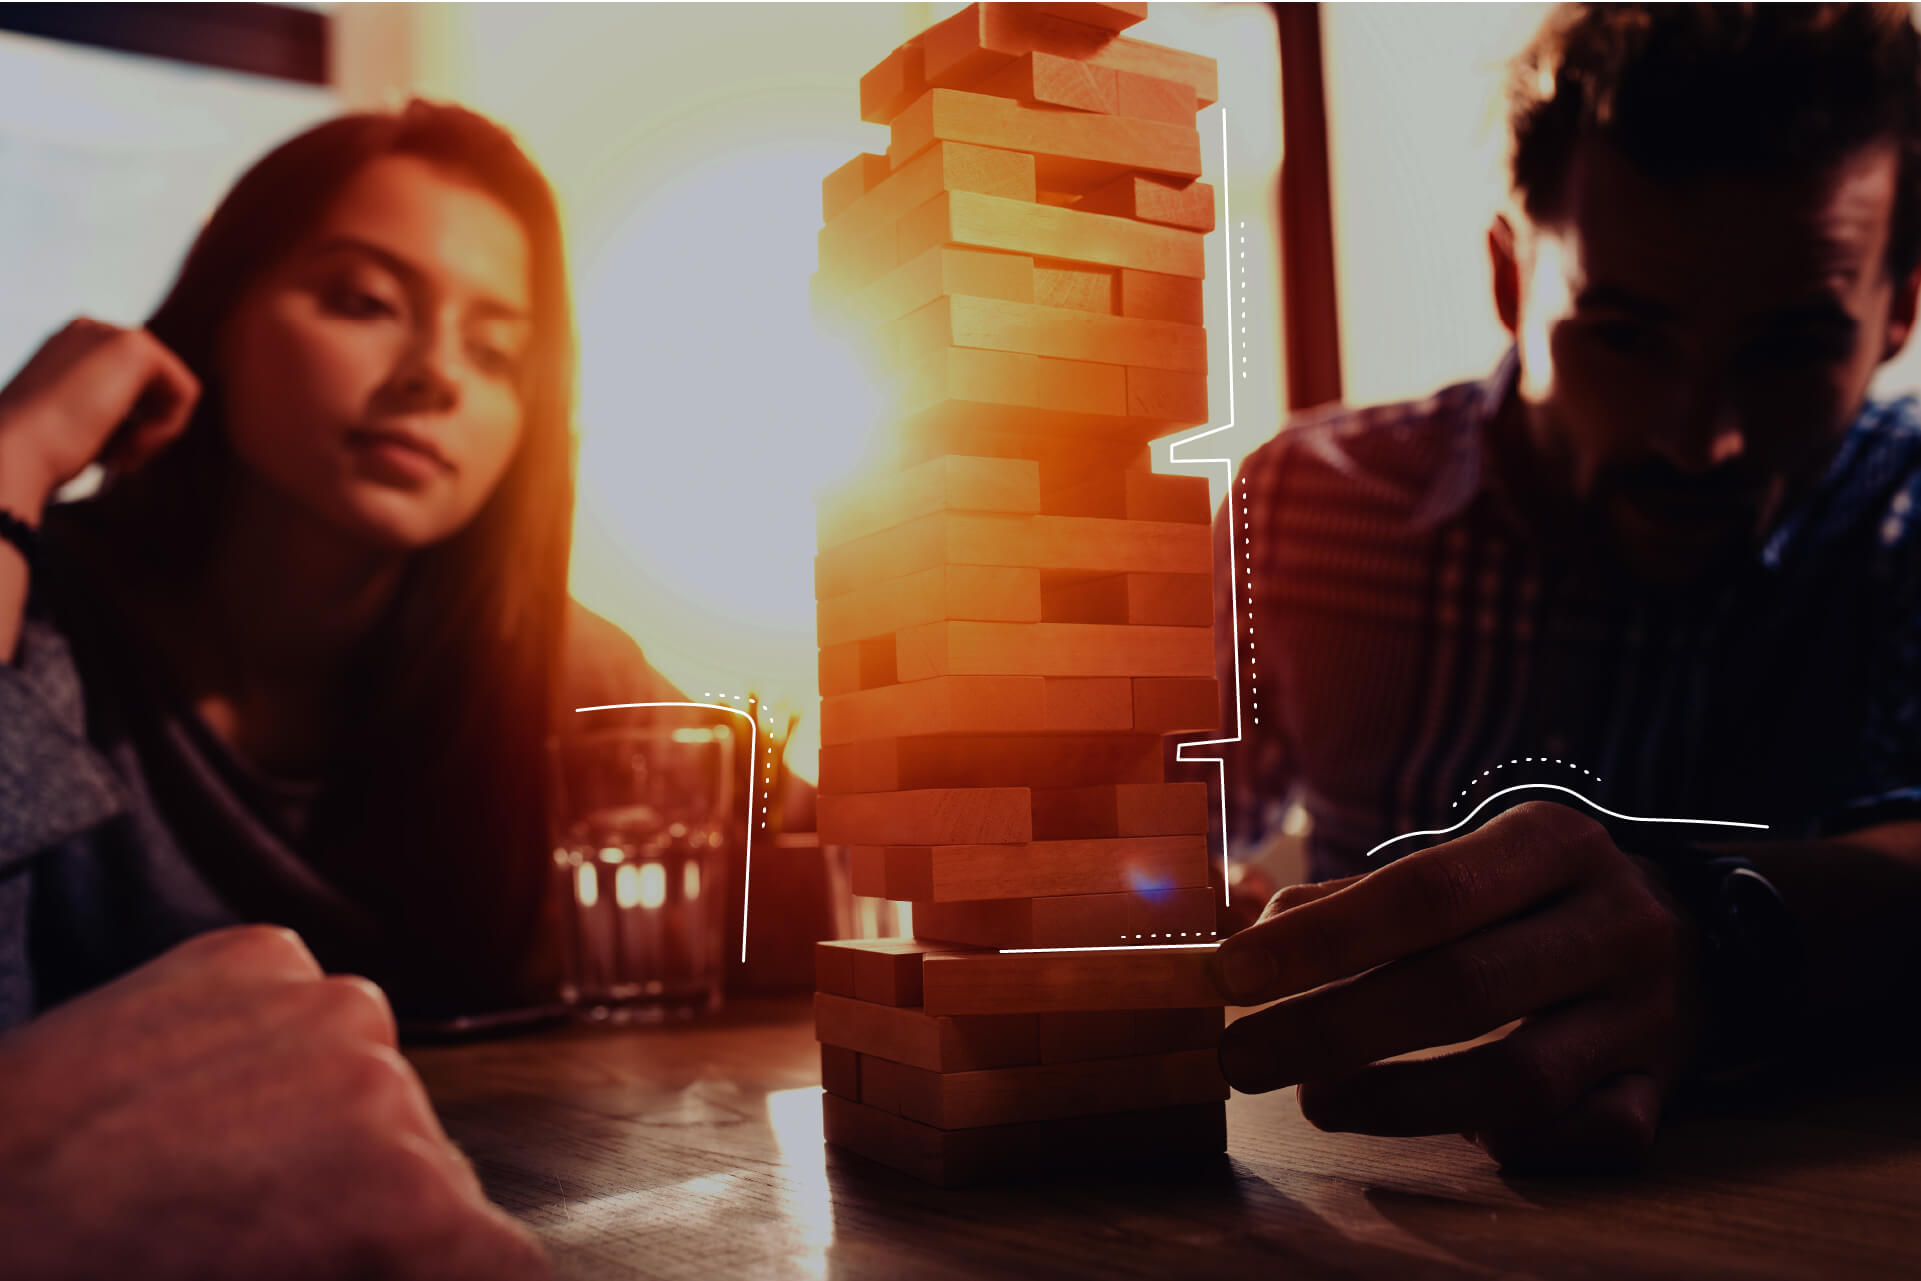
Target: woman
300,665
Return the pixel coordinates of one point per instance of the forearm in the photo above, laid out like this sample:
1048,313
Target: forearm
1856,901
23,497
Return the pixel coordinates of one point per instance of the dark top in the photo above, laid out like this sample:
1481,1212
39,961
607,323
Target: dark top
1409,647
127,825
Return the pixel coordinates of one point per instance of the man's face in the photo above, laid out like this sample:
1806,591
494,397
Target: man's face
1692,354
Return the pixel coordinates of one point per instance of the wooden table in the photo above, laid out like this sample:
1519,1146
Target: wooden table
695,1151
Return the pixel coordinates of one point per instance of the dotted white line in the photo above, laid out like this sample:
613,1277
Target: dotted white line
767,782
1247,542
1519,760
1242,263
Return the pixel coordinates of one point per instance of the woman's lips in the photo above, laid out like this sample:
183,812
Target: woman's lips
396,457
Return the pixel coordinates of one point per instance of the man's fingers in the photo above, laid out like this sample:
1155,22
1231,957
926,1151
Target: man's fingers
1611,1129
1527,1078
1305,892
1514,862
1439,997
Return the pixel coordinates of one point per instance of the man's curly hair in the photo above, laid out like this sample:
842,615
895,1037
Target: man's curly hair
1730,90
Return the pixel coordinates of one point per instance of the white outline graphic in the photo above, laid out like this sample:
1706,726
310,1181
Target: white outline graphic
1556,787
1118,947
753,749
1180,752
1227,471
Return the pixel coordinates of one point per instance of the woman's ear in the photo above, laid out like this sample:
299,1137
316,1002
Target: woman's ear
1504,265
1901,314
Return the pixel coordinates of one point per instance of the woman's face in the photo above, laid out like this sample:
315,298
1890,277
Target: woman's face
374,377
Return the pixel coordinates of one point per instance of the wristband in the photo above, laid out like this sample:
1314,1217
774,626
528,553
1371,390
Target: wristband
1751,958
24,537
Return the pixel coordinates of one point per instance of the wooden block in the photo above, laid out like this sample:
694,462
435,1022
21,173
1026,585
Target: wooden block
1153,295
881,1083
1074,920
929,816
980,705
943,484
1108,17
1048,982
867,865
975,592
1166,600
840,1071
1072,150
863,664
844,243
1048,1091
984,37
1075,389
1087,705
1038,407
1045,79
1057,760
956,1158
931,1042
1167,396
961,705
1154,98
1084,544
1052,649
885,971
1174,706
1058,283
993,432
850,182
930,873
833,969
1120,809
980,273
1112,1034
1124,495
1065,333
1156,200
1024,227
894,83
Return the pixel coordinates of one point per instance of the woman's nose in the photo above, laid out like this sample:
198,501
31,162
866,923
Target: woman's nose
422,384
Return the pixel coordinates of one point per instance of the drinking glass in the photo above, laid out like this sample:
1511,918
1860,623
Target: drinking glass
643,823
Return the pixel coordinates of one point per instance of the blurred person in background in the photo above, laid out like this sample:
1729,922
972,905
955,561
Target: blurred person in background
1668,557
295,663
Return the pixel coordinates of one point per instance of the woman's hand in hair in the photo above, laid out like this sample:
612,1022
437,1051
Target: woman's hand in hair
92,391
226,1111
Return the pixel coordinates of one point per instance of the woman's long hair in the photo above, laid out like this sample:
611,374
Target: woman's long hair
436,820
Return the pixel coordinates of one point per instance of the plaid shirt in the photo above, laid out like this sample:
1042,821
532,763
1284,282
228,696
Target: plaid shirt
1408,649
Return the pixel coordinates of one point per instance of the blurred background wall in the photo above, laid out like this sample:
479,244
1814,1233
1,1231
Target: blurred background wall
686,143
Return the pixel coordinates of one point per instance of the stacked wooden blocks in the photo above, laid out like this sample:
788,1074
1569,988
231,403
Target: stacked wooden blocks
1014,613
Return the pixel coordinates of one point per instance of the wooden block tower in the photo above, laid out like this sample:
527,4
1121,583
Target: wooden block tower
1014,614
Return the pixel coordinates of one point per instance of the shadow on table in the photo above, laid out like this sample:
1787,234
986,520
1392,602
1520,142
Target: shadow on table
1819,1180
1197,1219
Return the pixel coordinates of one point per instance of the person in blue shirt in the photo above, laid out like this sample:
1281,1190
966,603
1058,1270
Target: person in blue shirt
1664,564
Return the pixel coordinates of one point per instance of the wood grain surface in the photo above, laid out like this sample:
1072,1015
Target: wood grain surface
695,1151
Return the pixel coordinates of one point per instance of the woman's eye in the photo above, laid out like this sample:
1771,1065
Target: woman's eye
358,303
494,360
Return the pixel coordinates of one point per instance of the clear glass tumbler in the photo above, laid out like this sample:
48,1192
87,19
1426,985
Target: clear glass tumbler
643,822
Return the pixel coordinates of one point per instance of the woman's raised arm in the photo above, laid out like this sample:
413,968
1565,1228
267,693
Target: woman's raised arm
93,390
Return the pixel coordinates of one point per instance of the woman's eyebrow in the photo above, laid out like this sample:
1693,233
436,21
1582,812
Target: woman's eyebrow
410,274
